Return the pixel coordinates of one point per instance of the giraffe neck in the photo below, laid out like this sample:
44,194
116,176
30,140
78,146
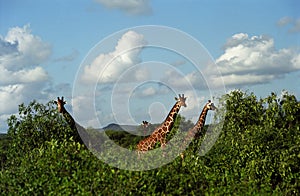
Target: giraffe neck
78,130
201,121
194,132
70,120
170,119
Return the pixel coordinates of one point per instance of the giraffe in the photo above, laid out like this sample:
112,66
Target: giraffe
145,125
161,131
196,129
70,120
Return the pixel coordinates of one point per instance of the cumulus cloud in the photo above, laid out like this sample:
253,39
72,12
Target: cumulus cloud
7,47
80,108
8,105
131,7
36,74
21,76
107,68
252,60
28,49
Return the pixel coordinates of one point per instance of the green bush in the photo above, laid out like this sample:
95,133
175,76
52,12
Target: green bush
33,126
257,152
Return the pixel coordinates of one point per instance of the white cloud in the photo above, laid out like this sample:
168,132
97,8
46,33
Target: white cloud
95,113
253,60
69,57
82,108
192,80
157,112
149,91
296,26
22,79
13,95
9,105
132,7
284,21
234,80
29,49
292,23
296,60
7,47
107,68
36,74
139,74
178,63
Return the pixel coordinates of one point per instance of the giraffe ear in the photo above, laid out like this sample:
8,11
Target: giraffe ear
55,102
176,98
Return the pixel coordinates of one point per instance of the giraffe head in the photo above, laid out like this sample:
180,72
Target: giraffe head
210,105
60,104
145,124
181,100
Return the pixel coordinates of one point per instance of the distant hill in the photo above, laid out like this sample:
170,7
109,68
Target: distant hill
117,127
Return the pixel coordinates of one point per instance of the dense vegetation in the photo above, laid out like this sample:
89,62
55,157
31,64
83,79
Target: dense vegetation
257,152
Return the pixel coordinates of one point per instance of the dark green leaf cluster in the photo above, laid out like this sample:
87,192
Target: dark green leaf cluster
123,138
260,143
33,126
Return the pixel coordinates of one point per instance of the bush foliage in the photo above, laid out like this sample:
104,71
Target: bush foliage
257,152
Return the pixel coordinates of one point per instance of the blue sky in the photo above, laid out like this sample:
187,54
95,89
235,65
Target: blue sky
46,49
